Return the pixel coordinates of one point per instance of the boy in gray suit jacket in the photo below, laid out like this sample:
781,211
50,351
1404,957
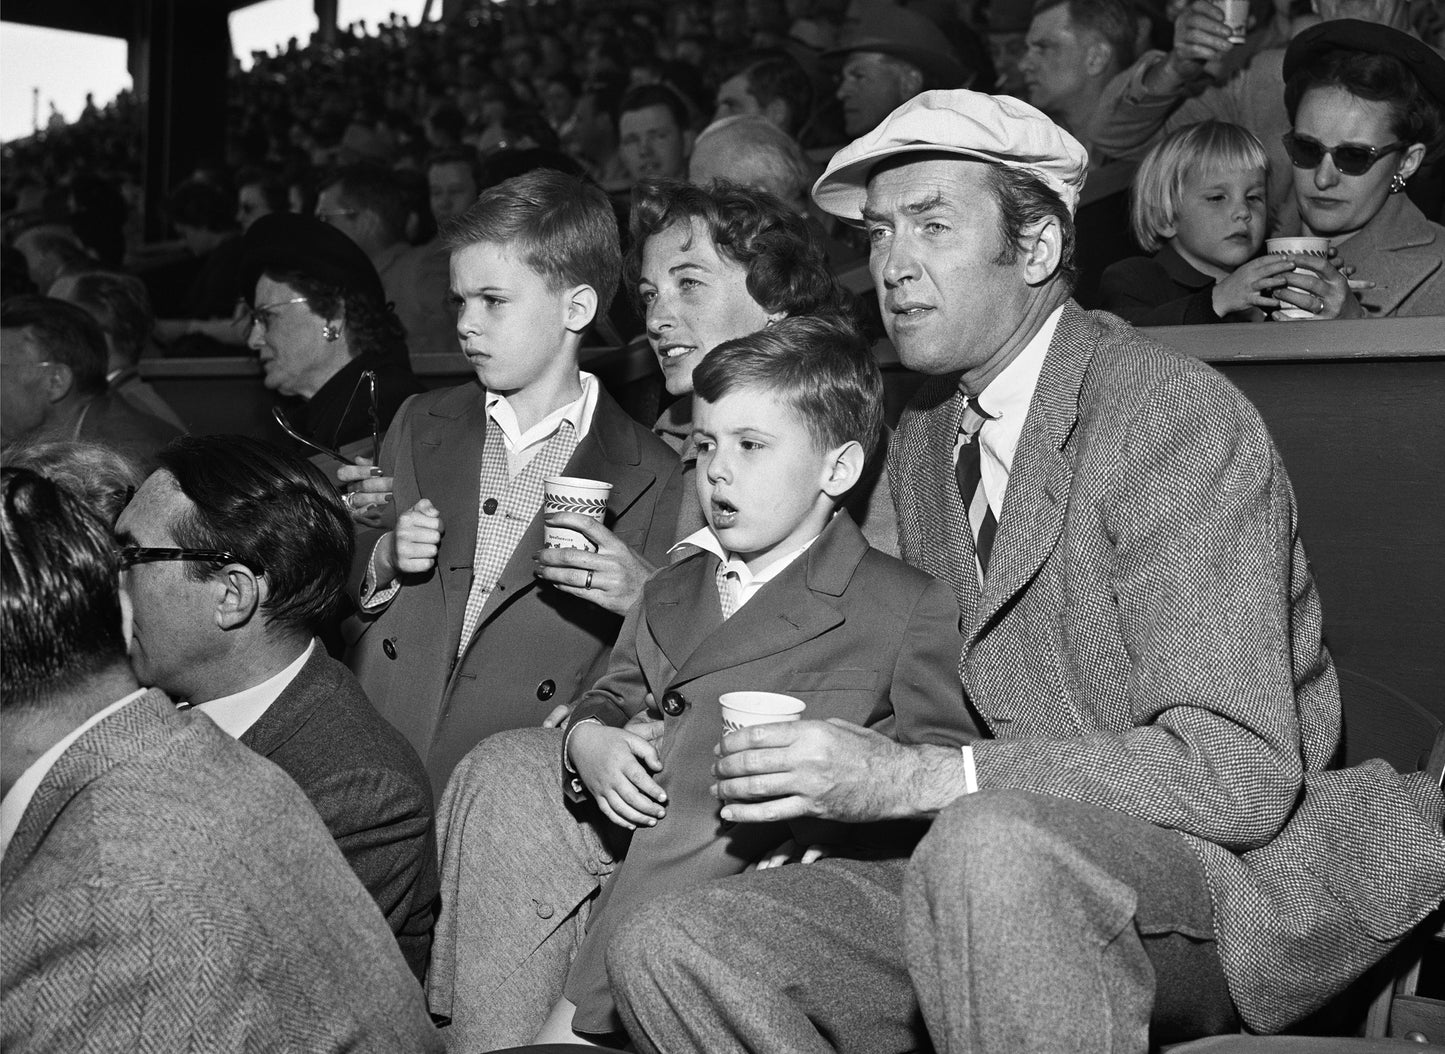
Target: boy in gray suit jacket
784,595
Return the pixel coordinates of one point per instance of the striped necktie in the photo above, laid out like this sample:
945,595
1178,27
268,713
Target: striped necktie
968,471
727,589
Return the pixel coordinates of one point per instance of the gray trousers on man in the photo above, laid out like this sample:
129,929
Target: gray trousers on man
1030,922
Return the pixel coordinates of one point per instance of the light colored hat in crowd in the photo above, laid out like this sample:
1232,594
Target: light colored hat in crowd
886,29
994,128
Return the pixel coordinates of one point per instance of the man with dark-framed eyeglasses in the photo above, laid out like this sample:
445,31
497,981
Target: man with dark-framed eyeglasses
163,887
234,557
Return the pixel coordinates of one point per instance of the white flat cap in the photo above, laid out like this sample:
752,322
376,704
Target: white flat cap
994,128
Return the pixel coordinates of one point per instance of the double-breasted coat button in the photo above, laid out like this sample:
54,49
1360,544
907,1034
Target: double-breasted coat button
489,506
673,704
546,689
544,911
388,647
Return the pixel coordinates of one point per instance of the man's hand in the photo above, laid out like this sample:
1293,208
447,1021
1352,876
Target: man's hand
1201,36
832,770
612,577
610,761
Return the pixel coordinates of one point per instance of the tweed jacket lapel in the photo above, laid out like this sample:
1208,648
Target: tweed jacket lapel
127,733
1040,477
1398,250
448,460
283,719
932,525
798,605
608,452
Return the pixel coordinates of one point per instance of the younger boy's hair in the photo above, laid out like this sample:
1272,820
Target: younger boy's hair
1209,146
820,366
560,225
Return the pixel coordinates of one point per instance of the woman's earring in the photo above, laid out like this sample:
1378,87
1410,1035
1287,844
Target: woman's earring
1397,183
330,332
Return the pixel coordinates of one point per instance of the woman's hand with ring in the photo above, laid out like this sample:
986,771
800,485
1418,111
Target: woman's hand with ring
368,492
1324,291
611,578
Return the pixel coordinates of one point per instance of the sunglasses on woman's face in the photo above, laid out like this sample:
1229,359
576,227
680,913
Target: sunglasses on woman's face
1350,158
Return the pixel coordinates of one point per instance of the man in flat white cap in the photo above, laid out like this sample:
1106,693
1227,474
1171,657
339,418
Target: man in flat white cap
1140,632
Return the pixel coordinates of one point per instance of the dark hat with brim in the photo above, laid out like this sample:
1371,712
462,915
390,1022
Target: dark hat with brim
903,34
284,241
1351,34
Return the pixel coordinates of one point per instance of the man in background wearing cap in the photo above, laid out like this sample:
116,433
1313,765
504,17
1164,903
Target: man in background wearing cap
1140,633
890,54
1162,91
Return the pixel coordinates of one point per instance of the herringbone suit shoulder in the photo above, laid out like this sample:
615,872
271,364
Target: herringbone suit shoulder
167,889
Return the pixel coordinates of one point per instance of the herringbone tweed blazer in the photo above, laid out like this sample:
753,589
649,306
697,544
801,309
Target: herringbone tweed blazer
369,787
1148,638
169,890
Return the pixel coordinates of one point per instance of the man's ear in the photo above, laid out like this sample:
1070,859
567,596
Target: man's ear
241,595
689,138
1098,57
59,381
581,308
777,112
910,81
843,470
1043,250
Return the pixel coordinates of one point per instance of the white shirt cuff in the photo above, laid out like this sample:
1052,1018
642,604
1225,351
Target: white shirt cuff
970,771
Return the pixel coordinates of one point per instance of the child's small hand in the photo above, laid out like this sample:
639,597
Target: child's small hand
1250,285
610,762
417,538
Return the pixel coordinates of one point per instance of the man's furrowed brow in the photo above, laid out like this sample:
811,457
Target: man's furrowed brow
934,201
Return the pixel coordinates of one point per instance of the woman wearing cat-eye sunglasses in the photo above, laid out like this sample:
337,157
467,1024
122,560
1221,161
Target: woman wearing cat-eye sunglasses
1366,104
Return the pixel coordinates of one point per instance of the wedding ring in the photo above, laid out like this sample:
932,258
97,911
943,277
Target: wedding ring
588,584
350,504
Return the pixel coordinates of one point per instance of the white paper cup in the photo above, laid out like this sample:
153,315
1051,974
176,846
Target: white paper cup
1236,17
572,494
1298,247
740,709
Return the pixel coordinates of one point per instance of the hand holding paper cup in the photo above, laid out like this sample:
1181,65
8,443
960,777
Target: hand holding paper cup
740,709
1298,247
573,494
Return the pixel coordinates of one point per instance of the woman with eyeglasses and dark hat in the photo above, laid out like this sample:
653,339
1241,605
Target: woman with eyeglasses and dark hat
1365,102
324,332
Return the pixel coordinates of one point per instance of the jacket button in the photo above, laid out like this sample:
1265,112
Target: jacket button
544,911
673,704
388,647
489,506
546,689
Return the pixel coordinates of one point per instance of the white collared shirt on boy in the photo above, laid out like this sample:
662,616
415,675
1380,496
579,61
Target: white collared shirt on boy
749,581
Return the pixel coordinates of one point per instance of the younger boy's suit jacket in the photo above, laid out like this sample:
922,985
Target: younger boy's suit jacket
534,646
853,633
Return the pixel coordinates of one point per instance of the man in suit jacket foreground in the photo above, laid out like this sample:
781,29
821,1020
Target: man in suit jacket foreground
227,623
1141,635
163,888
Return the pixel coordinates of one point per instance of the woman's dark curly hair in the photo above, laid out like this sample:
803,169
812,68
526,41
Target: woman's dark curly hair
370,327
787,269
1415,116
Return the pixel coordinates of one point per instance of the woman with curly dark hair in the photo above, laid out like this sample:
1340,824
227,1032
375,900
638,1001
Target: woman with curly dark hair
707,265
320,323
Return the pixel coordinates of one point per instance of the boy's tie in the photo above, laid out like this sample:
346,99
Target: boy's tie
727,589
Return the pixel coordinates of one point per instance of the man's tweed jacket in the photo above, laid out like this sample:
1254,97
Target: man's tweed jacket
369,787
169,890
1148,638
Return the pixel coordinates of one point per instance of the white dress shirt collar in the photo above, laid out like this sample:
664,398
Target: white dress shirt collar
14,804
524,445
235,713
749,582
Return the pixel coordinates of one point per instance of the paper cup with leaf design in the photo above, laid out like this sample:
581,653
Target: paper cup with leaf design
1298,247
573,494
740,709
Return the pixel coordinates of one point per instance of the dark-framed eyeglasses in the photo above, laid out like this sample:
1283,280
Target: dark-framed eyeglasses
1352,159
130,555
261,315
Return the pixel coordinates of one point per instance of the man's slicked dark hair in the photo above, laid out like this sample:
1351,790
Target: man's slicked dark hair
1025,200
122,306
66,334
821,367
376,189
59,591
787,268
275,512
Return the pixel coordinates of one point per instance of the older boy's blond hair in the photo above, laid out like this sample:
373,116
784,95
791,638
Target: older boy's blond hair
1209,146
